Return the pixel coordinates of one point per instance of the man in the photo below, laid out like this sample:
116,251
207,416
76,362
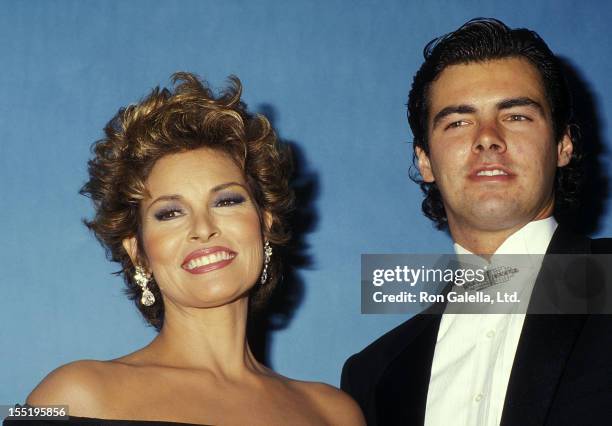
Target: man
490,113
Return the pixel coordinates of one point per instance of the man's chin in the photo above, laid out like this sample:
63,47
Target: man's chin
494,220
501,225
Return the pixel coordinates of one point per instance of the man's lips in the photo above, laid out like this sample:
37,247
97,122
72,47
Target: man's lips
208,259
491,172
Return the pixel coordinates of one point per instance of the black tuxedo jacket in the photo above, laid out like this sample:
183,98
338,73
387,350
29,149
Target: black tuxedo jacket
562,371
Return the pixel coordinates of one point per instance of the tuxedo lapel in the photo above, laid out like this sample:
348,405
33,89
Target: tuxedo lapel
401,393
545,344
566,242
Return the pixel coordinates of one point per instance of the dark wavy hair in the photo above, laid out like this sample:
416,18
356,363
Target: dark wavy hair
185,118
483,39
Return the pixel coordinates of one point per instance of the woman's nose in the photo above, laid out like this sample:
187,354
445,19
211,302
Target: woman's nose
203,228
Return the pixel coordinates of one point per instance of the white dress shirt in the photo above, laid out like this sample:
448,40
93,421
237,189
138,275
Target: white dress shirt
474,352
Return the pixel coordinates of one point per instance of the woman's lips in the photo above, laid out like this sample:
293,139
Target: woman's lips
208,259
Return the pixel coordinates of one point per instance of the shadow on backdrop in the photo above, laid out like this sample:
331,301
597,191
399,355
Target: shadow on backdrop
591,208
289,293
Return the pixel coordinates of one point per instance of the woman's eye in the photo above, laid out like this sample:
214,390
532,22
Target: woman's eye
168,214
230,201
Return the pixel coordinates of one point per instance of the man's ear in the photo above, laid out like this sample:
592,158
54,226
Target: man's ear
131,247
565,148
424,165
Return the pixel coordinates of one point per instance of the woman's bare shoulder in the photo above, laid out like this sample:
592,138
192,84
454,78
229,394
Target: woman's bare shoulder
79,384
338,407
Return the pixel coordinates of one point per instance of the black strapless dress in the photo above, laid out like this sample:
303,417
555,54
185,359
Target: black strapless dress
88,421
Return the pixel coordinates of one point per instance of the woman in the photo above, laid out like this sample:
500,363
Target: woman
191,196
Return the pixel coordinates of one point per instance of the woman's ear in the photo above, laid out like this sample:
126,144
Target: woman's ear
267,221
130,245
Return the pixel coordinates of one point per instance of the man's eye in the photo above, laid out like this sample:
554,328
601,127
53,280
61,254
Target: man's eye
456,124
168,214
518,117
230,201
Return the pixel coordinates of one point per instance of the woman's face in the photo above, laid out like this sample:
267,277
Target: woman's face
200,230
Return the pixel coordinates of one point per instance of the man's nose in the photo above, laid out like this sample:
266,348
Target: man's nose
489,137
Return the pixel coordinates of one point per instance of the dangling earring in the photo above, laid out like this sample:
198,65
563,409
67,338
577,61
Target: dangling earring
142,279
267,257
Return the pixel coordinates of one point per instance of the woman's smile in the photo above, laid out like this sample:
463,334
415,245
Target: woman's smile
208,259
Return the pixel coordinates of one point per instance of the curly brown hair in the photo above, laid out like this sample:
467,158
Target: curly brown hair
185,118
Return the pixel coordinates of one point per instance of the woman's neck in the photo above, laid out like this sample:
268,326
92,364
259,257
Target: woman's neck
212,339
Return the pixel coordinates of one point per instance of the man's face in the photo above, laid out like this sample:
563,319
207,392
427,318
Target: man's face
492,149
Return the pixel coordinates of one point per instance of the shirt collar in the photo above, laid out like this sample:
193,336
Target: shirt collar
533,238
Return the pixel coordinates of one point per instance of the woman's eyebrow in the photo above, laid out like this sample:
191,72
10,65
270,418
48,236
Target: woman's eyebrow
226,185
175,197
172,197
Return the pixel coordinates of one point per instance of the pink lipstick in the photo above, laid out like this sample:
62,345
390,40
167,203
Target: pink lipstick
208,259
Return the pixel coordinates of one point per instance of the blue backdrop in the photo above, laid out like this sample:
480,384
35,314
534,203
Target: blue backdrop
334,75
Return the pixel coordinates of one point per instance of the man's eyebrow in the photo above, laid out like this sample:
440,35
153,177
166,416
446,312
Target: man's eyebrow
518,102
452,109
